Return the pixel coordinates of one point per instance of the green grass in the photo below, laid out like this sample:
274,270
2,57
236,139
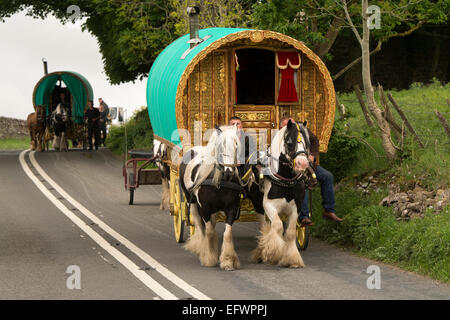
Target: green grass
14,143
419,245
432,163
139,134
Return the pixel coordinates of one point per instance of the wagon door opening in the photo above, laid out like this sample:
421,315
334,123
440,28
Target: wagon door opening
255,77
55,97
255,92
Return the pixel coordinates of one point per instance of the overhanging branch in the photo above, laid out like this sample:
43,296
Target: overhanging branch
356,61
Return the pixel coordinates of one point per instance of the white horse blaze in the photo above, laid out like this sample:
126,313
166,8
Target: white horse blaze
301,163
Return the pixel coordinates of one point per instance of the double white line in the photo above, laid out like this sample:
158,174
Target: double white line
119,256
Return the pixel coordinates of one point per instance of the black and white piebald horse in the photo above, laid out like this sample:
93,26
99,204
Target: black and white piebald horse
160,149
210,180
284,191
60,122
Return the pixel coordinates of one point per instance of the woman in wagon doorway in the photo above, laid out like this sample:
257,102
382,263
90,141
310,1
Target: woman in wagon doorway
323,176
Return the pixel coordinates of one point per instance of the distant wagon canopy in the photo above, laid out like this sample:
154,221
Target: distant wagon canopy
260,76
46,92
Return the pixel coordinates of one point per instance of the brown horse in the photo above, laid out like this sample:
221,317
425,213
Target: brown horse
36,126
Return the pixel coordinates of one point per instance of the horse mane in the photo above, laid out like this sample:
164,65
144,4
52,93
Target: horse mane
275,149
208,157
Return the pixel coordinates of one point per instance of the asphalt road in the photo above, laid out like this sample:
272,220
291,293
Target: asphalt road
125,252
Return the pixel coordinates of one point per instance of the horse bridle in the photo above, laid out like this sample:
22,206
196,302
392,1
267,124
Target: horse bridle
305,150
291,163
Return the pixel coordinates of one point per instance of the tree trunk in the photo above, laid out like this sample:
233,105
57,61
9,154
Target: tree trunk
388,145
363,106
330,37
443,122
402,115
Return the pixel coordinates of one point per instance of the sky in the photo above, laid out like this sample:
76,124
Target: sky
24,41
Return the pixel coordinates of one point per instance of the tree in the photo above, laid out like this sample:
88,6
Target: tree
213,13
303,20
412,13
319,22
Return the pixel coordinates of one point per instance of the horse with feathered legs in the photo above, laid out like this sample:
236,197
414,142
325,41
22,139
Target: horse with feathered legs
36,126
284,190
60,121
210,181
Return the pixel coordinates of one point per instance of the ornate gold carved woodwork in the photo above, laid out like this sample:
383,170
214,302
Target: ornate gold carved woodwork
305,78
273,39
257,121
206,94
253,116
302,116
246,205
201,119
257,36
219,93
194,101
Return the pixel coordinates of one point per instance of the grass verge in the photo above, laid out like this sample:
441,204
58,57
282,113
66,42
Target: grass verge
420,245
14,143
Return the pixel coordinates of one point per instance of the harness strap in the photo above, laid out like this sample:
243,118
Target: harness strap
223,184
285,183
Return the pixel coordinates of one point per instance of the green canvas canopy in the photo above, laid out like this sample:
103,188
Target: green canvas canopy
165,76
78,86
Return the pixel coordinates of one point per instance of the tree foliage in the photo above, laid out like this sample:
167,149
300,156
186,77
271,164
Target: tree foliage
318,22
131,33
213,13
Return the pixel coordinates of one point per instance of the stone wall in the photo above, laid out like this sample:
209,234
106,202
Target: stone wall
10,127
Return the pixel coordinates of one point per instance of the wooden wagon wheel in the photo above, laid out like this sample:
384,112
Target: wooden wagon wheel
303,233
184,212
178,221
131,189
192,226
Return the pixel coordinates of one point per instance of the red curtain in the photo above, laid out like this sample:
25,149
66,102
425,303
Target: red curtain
288,62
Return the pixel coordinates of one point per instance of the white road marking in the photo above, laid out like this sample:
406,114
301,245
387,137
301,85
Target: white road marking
131,246
127,263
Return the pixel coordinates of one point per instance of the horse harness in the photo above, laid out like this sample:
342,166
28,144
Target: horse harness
284,182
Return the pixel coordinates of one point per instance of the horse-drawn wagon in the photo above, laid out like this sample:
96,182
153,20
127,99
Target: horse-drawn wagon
201,81
76,90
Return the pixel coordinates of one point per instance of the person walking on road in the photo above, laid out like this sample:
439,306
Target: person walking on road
102,123
92,116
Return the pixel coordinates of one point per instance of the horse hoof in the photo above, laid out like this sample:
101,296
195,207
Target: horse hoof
293,265
256,256
227,266
293,262
230,263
